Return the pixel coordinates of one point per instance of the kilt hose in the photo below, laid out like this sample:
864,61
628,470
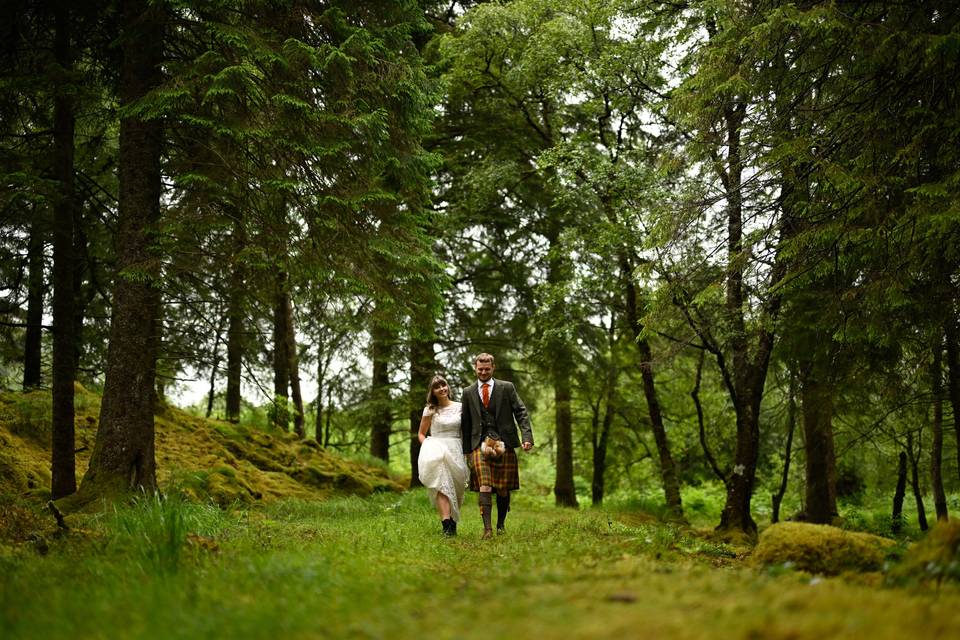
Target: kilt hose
499,473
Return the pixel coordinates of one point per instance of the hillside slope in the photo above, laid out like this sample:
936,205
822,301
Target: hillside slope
203,459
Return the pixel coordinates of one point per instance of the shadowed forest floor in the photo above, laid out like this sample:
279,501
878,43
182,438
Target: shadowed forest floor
376,568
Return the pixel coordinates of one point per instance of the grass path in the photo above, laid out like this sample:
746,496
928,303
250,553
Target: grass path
377,568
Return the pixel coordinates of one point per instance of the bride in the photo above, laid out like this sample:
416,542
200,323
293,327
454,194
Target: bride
442,467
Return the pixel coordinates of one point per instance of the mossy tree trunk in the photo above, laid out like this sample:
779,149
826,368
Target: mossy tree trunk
63,480
123,457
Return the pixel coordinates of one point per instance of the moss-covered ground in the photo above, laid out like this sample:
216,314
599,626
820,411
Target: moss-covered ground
204,459
351,556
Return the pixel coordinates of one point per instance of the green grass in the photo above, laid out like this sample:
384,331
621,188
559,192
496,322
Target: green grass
377,568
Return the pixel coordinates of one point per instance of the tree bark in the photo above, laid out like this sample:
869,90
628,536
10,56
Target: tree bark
380,391
816,398
33,335
293,365
558,368
321,385
936,448
63,481
600,445
896,518
668,470
952,335
422,365
564,490
235,315
915,483
215,364
281,362
123,456
791,427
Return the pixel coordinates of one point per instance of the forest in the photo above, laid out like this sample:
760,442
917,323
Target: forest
715,244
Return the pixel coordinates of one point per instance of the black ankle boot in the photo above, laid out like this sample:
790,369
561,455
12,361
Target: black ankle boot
449,527
453,527
503,506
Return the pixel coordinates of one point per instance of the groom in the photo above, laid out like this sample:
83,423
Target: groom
490,407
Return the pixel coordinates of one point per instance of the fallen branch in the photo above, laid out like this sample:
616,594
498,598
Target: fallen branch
61,524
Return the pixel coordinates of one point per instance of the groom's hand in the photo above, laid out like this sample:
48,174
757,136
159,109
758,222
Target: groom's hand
527,446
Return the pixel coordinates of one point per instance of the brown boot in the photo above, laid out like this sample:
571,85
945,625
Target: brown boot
486,507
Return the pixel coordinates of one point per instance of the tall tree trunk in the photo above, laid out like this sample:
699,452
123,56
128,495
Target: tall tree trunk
215,364
668,469
382,416
235,315
600,445
293,366
123,456
745,376
63,470
33,338
936,448
321,439
83,264
564,490
791,427
743,382
896,518
816,399
952,335
422,365
558,367
281,363
914,460
328,421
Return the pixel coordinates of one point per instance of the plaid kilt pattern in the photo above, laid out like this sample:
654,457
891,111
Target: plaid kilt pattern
503,473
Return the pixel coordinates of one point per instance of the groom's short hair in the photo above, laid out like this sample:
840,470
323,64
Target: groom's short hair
483,357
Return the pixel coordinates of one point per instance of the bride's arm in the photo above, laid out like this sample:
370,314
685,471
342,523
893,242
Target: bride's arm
424,428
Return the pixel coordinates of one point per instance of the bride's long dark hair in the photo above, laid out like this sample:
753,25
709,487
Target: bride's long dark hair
432,401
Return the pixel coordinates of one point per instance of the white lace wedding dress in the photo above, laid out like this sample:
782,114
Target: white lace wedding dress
441,465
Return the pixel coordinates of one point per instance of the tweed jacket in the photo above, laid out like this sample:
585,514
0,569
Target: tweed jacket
506,412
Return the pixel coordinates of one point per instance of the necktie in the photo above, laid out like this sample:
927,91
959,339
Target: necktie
485,394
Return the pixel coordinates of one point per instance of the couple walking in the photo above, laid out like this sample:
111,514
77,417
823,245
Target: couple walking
483,429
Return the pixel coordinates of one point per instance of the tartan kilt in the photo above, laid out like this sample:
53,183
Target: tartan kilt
502,473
